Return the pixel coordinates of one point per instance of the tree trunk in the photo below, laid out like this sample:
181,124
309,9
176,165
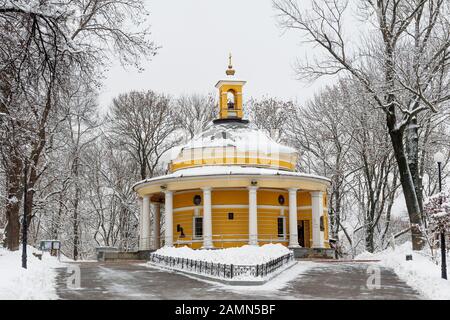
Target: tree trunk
13,204
337,215
412,145
409,191
76,237
75,231
369,244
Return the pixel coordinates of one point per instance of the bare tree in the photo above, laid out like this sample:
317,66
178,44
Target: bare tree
395,29
269,115
142,123
193,113
45,46
110,198
319,131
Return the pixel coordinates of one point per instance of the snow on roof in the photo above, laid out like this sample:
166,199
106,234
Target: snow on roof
230,80
243,136
229,170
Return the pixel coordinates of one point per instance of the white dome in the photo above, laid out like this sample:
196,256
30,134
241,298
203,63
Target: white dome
243,136
242,141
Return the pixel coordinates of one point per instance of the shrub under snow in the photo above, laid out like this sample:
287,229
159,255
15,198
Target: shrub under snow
245,255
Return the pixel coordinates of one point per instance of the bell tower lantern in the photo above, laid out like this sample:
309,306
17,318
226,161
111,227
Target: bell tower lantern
230,95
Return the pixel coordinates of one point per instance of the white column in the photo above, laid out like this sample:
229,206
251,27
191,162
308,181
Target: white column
207,219
141,217
168,218
156,225
252,216
146,222
293,235
317,211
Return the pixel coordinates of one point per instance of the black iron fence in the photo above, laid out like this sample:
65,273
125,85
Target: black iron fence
221,270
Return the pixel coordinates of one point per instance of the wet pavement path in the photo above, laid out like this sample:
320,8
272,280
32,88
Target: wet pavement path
306,280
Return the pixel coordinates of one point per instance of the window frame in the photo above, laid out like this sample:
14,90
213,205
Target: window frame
283,235
194,229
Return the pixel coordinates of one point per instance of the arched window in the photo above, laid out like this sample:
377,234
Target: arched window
231,99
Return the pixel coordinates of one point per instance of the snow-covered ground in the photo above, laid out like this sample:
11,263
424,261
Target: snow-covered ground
421,273
245,255
36,282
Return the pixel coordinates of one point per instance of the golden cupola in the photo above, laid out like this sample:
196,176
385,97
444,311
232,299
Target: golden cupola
230,95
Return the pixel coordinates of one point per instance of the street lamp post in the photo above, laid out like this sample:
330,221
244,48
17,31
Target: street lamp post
25,222
439,158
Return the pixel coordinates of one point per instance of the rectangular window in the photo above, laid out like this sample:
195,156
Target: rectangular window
281,233
230,215
198,227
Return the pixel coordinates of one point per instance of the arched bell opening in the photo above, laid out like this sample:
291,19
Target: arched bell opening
231,99
231,104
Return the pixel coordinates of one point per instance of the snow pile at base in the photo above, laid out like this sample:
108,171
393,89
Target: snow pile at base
245,255
35,282
421,273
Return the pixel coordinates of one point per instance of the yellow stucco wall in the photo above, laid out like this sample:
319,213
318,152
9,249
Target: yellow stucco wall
236,201
237,159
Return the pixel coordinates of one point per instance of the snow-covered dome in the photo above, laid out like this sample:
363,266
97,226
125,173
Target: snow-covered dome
234,143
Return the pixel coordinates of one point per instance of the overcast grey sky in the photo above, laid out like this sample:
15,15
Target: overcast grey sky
196,37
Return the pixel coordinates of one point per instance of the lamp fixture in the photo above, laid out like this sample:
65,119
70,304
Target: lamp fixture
439,157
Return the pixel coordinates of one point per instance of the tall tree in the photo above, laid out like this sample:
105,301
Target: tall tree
142,123
270,114
393,29
46,45
195,112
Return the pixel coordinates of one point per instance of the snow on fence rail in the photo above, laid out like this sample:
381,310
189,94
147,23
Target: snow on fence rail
222,270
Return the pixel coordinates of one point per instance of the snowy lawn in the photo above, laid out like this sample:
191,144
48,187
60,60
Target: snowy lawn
36,282
245,255
420,273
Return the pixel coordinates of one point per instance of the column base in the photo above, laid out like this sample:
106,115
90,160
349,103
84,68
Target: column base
293,246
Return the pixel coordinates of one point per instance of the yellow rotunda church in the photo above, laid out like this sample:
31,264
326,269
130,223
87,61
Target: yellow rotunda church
233,185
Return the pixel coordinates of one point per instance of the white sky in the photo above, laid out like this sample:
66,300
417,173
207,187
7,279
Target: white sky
196,37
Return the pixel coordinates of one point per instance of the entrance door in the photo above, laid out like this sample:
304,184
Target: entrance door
301,232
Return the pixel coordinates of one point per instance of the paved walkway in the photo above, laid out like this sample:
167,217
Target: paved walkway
307,280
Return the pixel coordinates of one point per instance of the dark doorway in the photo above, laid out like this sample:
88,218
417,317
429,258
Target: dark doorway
301,232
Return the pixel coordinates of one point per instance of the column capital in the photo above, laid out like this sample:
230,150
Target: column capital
206,188
252,188
293,189
316,193
146,196
168,192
